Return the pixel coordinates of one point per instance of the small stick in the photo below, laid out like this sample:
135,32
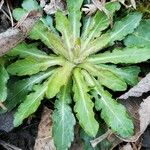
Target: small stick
101,138
2,106
10,14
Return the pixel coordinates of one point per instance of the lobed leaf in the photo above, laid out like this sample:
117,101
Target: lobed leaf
106,77
129,55
99,23
58,79
3,83
64,26
113,113
121,29
141,36
41,32
63,120
74,16
125,26
24,50
18,91
29,66
84,105
96,45
30,104
128,74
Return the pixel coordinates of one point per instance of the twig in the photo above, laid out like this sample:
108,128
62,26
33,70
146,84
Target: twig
101,138
9,146
3,11
10,14
1,4
13,36
2,106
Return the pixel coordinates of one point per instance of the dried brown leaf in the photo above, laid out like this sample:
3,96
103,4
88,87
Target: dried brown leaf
53,6
142,87
138,107
127,147
44,139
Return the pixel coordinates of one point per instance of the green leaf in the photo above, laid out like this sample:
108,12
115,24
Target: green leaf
106,77
74,16
58,79
86,25
41,32
96,45
30,104
87,78
64,26
103,145
63,120
3,83
29,66
129,55
18,13
84,105
99,23
125,26
24,50
30,5
141,36
121,29
113,113
18,91
86,141
49,21
112,81
129,74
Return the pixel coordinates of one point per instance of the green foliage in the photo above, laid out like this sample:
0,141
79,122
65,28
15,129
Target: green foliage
31,102
3,83
74,69
141,36
84,104
63,119
113,113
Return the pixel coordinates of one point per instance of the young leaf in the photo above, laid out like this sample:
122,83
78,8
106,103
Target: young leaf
99,23
18,13
114,114
30,5
119,31
18,91
141,36
41,32
74,16
129,55
84,105
86,25
106,77
96,45
58,79
63,120
25,50
29,66
30,104
129,74
64,26
125,26
3,83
